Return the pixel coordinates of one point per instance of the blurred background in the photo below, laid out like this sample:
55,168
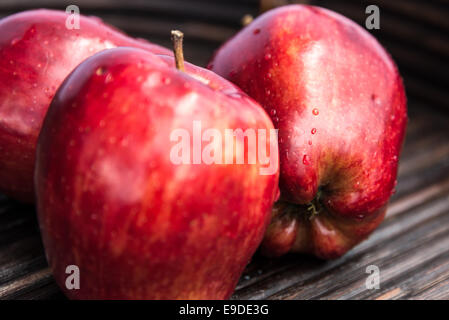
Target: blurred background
415,32
411,247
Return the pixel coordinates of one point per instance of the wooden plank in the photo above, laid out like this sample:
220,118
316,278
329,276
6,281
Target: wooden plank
412,284
419,190
272,269
410,247
263,268
417,61
404,30
437,292
301,269
25,283
402,255
421,11
200,10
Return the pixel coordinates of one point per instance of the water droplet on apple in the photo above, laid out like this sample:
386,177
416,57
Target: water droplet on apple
268,92
273,112
99,71
315,112
375,99
267,56
124,142
256,31
313,130
166,80
269,75
306,160
14,41
108,78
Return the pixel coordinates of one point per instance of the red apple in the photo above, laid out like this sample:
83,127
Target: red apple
339,103
112,201
37,51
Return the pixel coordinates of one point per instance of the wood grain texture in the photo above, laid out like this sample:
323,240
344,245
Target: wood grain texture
411,247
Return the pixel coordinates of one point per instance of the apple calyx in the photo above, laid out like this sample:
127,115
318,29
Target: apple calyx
314,207
177,37
309,210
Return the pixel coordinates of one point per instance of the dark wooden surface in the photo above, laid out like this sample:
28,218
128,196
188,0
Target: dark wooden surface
411,247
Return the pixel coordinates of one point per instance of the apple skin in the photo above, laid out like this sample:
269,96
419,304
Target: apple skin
110,200
37,52
339,103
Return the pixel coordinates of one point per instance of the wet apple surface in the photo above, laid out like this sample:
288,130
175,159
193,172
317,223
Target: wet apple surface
111,200
339,103
37,51
410,247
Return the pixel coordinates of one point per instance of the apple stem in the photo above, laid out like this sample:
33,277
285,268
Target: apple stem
177,37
